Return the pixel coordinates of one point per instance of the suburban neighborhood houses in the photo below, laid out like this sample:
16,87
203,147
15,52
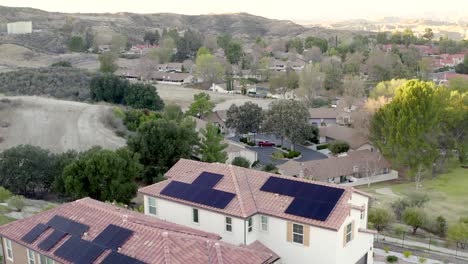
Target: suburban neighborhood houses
130,134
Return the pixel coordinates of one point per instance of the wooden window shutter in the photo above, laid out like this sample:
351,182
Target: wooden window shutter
306,235
344,236
353,226
289,234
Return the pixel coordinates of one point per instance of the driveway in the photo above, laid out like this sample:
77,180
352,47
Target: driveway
264,153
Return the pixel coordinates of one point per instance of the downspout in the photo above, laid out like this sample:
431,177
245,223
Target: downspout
245,234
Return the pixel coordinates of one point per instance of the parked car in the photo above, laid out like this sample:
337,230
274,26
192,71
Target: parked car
266,143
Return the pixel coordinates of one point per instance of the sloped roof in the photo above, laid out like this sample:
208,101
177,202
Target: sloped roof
350,135
249,199
153,240
365,160
323,112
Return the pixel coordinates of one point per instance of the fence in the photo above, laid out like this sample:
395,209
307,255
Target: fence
424,242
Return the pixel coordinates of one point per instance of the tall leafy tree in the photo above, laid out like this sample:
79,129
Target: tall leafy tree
212,148
316,42
407,129
140,95
76,44
108,88
108,62
234,52
208,68
202,105
245,118
104,175
161,143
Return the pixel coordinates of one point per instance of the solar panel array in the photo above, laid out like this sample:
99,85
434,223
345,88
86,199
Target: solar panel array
208,179
52,240
34,233
310,200
68,226
117,258
198,194
113,237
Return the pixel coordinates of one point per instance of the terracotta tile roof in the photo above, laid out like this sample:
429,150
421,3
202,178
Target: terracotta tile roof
350,135
260,247
324,169
249,200
153,241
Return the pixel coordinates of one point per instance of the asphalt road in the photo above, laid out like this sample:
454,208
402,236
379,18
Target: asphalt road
264,153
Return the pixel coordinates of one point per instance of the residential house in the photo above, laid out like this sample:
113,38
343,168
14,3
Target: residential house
447,60
129,74
323,116
355,139
290,216
278,65
104,48
89,231
218,118
445,77
172,78
352,169
171,67
260,90
297,65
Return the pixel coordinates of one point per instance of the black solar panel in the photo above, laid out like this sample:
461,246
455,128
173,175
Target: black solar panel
198,194
113,237
68,226
71,249
117,258
52,240
90,255
311,200
208,179
34,233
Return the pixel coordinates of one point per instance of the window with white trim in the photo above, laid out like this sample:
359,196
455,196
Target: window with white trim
363,214
264,223
9,249
298,233
31,256
195,217
250,224
349,232
228,224
45,260
152,206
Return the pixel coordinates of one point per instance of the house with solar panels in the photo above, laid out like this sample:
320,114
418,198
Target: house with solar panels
299,220
91,232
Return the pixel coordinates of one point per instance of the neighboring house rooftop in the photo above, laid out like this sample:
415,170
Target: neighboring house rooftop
354,162
170,76
354,138
248,199
152,240
323,112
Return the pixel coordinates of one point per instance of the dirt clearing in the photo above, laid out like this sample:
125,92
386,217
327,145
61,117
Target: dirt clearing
54,124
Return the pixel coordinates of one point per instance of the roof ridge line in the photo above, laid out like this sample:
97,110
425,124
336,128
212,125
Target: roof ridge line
167,255
236,186
250,190
219,256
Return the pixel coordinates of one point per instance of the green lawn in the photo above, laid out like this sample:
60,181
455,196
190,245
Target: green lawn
5,220
448,194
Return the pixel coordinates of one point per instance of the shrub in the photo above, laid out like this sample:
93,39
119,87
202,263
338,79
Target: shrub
16,202
422,259
241,162
292,154
4,194
320,147
278,155
252,144
270,168
337,147
414,217
255,163
243,140
399,206
407,253
386,249
62,64
392,259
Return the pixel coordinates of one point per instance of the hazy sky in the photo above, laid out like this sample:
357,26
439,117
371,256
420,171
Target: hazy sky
289,9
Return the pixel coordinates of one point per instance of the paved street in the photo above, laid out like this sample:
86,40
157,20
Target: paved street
264,153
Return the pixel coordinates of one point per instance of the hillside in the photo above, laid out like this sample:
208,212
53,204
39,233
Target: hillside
54,27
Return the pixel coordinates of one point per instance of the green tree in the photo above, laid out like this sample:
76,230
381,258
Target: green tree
118,43
428,34
441,226
296,44
212,148
386,89
203,51
104,175
382,38
208,68
288,119
337,147
27,170
414,217
151,38
76,44
316,42
188,45
459,233
245,118
234,52
108,62
224,40
165,52
408,37
161,143
61,64
380,218
241,162
139,95
202,105
407,129
333,74
311,82
108,88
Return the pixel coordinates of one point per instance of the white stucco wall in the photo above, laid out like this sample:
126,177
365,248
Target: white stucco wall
326,246
250,155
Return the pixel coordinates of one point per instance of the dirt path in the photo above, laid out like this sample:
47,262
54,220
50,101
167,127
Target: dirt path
56,125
